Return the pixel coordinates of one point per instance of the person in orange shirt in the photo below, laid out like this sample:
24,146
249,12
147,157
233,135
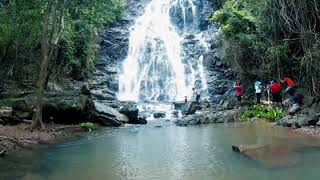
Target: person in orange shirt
291,88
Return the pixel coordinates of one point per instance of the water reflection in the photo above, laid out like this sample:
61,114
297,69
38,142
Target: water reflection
170,152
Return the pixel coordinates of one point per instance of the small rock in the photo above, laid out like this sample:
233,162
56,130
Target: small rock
159,115
294,109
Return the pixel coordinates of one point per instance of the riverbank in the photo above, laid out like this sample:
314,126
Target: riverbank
20,136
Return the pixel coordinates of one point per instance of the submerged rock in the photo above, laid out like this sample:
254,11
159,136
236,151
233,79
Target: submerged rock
158,115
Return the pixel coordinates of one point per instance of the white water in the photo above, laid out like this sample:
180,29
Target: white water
153,70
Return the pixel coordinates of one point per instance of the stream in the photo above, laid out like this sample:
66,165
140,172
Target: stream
161,150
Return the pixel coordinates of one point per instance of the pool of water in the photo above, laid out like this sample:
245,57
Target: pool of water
166,152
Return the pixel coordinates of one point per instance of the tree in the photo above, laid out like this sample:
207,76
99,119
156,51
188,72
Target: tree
53,23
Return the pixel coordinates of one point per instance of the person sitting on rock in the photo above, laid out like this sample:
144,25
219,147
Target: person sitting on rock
276,89
239,90
291,89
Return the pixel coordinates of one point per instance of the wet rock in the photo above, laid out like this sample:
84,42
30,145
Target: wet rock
229,104
132,112
179,105
159,115
309,101
175,113
210,59
190,108
204,104
285,122
85,89
209,116
287,102
2,151
107,115
141,120
294,109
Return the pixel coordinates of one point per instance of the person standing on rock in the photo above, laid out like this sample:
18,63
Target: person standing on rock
239,90
258,88
196,94
276,89
291,88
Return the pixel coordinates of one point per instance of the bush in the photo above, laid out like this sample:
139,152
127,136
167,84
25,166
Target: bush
264,112
88,126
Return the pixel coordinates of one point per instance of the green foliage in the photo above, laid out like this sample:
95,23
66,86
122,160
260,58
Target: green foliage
88,126
76,51
263,112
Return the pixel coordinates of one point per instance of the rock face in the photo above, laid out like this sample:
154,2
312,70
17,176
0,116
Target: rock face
209,116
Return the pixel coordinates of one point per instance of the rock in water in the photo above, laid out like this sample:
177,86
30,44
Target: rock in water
159,115
2,151
132,112
108,116
191,108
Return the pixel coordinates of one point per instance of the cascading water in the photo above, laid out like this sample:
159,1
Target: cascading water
153,69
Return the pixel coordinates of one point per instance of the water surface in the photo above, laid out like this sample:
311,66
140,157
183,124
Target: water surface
167,152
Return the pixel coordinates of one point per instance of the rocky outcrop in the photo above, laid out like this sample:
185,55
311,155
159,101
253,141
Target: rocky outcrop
190,108
298,116
209,116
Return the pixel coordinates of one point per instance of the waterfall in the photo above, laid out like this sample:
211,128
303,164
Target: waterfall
153,69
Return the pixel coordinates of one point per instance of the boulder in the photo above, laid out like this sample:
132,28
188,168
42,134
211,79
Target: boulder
294,109
141,120
231,103
190,108
204,104
179,105
131,111
160,114
286,121
7,116
106,114
209,116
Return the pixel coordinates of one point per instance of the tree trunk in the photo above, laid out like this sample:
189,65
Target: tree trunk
37,121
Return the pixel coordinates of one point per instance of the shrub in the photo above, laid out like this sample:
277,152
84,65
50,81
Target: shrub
264,112
88,126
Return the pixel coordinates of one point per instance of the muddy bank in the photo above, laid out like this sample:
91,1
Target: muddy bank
20,136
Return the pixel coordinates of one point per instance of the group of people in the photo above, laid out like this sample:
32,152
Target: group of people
274,88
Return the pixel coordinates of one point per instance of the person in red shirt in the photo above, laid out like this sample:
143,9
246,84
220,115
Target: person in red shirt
291,88
239,90
276,89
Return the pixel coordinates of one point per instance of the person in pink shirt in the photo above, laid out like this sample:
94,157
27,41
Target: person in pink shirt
239,90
